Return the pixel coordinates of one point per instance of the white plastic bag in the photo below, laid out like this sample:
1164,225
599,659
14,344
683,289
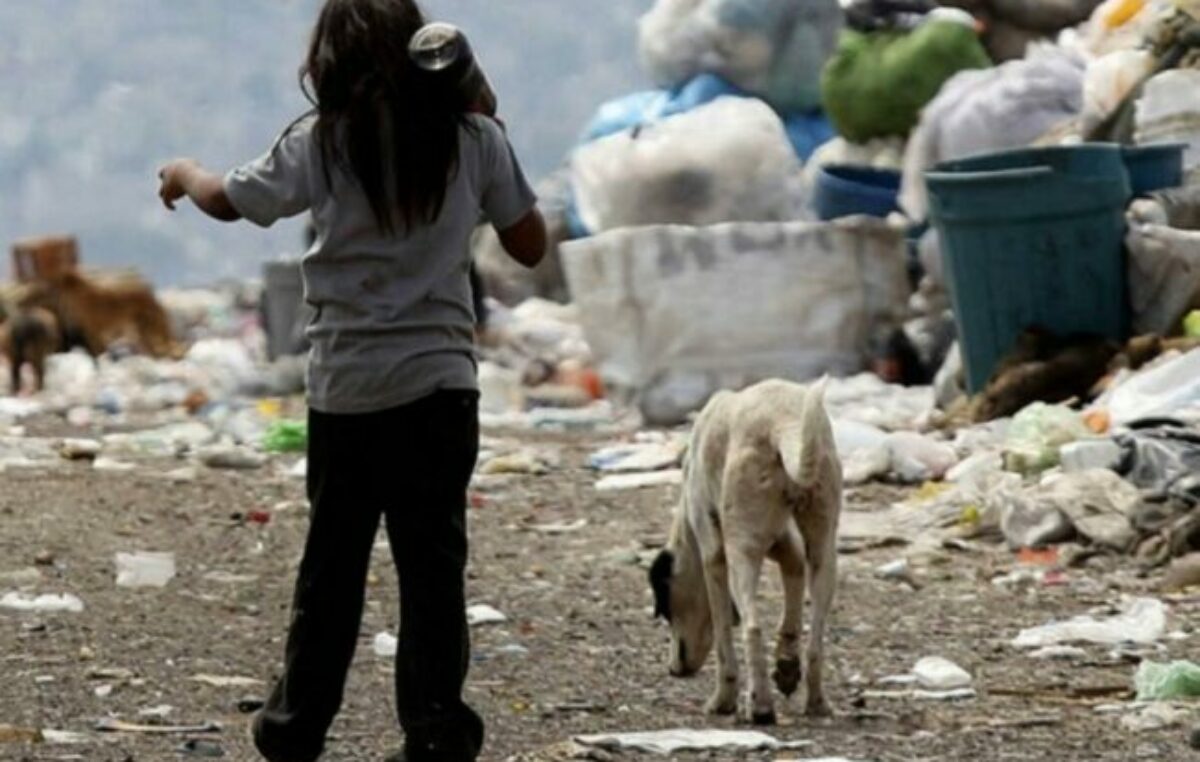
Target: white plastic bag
1144,621
1109,80
1010,106
675,313
728,161
1169,112
774,48
145,569
1164,271
1171,388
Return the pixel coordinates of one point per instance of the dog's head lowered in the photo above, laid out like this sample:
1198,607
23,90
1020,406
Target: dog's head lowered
681,598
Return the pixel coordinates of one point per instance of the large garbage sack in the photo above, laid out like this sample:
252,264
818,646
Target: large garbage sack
727,161
1169,112
1164,260
772,48
807,130
877,84
675,313
1010,106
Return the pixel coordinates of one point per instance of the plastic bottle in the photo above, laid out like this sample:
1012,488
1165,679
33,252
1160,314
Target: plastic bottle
443,50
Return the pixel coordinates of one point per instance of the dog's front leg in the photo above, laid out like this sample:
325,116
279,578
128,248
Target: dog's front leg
745,569
725,694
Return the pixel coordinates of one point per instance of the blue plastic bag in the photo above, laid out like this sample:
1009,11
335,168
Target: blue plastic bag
623,113
808,132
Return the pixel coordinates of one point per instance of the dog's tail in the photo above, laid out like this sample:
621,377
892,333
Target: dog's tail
801,442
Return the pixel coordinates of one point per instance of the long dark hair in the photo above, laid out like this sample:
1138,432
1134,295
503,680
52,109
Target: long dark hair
378,118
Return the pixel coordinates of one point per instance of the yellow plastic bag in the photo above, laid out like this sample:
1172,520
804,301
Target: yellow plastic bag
1124,12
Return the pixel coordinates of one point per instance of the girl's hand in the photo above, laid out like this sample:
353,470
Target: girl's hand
174,181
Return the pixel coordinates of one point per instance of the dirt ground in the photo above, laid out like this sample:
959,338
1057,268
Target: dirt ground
580,654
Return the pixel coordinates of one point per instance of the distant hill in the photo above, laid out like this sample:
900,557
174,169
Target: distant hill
94,94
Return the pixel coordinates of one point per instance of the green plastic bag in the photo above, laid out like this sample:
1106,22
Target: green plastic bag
1037,434
877,83
286,436
1166,682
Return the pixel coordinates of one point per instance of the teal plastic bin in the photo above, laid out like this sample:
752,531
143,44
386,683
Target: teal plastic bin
1032,238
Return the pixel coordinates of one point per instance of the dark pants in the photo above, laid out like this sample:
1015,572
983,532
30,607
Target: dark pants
411,465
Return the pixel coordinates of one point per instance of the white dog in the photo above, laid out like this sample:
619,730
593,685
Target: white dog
762,480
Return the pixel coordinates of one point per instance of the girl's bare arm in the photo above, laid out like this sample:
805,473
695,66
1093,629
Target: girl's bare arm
185,177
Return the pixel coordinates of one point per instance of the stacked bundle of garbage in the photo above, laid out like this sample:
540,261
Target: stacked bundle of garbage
694,261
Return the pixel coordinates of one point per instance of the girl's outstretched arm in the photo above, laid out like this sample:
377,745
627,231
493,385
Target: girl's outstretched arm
185,177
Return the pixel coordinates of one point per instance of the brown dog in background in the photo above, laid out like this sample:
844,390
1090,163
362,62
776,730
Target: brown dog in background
111,308
28,337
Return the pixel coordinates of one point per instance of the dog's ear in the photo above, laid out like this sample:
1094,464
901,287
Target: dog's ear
660,583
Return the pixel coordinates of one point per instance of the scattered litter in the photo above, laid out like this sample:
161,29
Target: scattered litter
64,737
1144,621
958,694
555,529
1166,682
145,569
196,748
286,436
622,482
1183,574
1155,717
483,614
80,449
516,463
103,691
29,576
111,465
11,734
1090,453
231,458
227,578
300,470
185,475
1037,435
934,673
161,711
1064,653
386,645
668,742
112,725
219,681
43,604
637,458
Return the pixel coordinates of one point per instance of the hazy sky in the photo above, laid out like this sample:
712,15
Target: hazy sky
95,94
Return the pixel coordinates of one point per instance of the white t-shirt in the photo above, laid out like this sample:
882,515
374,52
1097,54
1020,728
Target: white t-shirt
394,317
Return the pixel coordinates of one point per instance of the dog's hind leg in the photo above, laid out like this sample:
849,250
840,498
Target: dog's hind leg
745,571
716,575
789,554
820,543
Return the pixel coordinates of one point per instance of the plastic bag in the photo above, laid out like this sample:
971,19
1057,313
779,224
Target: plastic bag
1010,106
728,161
1169,112
1037,434
772,48
1109,80
877,84
286,436
1167,389
1165,682
1144,621
1164,272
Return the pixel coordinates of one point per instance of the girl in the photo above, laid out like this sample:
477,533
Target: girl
396,172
